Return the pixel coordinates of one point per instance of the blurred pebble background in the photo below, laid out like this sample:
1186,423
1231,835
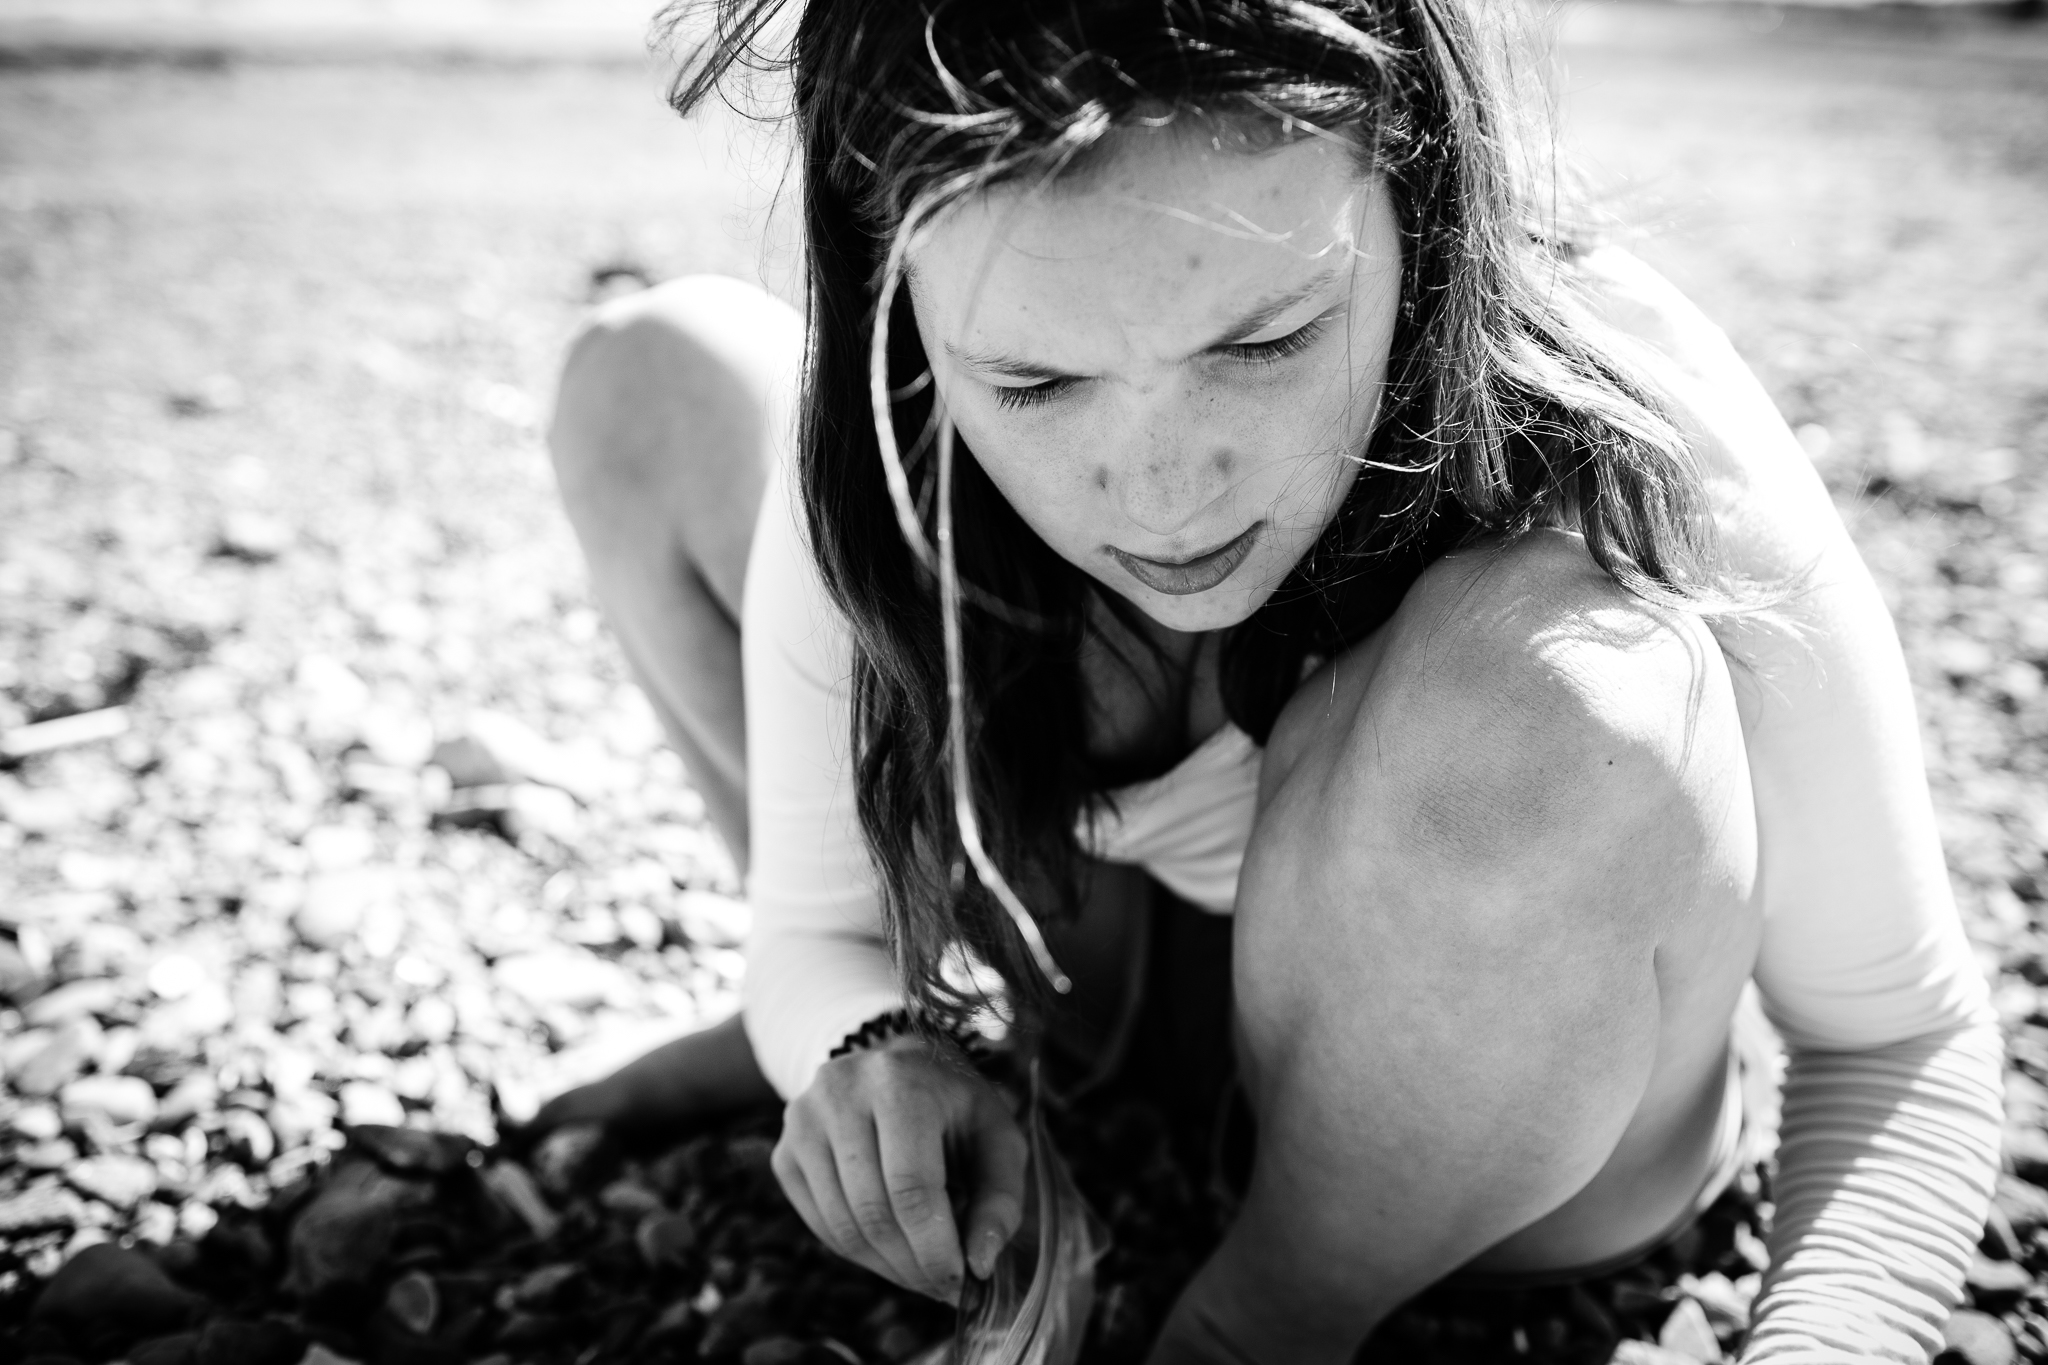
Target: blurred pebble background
325,799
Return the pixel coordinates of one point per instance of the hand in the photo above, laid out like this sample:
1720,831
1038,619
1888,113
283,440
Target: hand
864,1155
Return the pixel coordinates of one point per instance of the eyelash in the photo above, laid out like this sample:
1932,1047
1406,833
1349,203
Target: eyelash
1259,353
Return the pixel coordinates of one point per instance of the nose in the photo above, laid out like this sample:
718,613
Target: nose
1169,466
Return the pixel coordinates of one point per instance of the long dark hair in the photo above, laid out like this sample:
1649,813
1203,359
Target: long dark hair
1501,411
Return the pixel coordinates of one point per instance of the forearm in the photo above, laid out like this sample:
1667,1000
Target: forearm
1886,1164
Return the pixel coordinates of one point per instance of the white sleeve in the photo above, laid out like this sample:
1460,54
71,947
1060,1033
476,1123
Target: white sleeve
817,965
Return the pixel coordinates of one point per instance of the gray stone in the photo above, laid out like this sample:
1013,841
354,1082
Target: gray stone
74,1000
118,1100
1688,1332
114,1178
40,1209
1974,1338
342,1237
68,1052
105,1298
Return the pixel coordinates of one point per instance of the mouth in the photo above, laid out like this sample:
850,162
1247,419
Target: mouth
1197,573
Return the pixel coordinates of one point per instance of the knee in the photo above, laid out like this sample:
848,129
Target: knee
702,353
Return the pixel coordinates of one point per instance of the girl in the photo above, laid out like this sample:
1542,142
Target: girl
1209,457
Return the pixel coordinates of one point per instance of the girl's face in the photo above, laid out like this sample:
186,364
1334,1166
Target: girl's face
1169,363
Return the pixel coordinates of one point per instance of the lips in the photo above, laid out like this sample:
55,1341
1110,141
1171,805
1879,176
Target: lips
1185,577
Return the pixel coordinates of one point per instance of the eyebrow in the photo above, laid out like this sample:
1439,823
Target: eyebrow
1257,319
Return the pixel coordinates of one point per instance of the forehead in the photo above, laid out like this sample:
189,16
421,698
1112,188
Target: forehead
1163,229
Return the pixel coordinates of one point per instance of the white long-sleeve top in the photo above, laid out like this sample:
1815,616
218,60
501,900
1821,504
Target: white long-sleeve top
1892,1108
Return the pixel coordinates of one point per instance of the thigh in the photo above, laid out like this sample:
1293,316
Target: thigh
1496,912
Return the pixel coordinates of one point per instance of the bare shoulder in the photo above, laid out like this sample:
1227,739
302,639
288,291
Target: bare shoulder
1517,690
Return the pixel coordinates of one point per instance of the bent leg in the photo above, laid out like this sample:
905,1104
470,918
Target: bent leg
674,406
1493,922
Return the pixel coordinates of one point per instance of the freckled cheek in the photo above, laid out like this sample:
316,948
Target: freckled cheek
1045,477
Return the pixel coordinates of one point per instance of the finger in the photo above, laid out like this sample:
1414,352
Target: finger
824,1210
1001,1165
913,1163
858,1165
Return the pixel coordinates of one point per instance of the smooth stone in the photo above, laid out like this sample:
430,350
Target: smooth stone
342,1237
338,902
54,1155
573,980
179,1027
2025,1205
1974,1338
665,1239
40,1209
73,1000
563,1155
107,1297
414,1300
119,1100
20,979
365,1102
712,920
1990,1279
411,1150
114,1178
1687,1331
234,1341
69,1051
631,1198
175,1349
1649,1353
195,1094
36,1123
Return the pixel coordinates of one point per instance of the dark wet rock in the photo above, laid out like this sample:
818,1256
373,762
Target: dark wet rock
1974,1338
410,1151
563,1156
236,1341
106,1298
415,1302
178,1348
341,1238
665,1239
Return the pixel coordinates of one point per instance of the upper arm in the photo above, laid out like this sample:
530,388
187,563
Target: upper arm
1862,944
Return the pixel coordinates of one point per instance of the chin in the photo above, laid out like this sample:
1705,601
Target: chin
1220,608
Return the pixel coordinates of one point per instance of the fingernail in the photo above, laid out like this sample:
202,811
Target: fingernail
986,1248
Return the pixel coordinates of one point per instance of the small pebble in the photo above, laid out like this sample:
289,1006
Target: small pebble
118,1100
415,1301
1974,1338
114,1178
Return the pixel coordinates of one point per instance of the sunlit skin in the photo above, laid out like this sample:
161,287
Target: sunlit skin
1507,879
1173,353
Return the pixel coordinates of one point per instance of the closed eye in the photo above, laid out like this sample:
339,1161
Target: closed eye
1267,352
1031,395
1012,398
